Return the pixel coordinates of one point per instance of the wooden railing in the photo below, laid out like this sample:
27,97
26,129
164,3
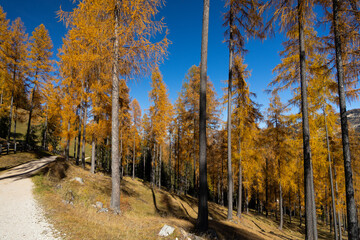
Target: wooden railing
11,147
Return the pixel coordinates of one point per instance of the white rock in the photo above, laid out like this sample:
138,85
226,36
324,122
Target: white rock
78,179
166,231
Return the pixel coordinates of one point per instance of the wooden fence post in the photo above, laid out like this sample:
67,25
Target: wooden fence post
15,147
7,149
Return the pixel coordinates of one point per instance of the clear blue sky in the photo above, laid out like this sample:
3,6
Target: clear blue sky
184,20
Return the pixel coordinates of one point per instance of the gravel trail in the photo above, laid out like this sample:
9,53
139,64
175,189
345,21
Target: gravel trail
21,217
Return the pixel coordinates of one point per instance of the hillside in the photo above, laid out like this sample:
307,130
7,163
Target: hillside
354,118
71,207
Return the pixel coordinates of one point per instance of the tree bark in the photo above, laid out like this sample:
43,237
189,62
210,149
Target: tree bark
133,163
93,155
281,207
239,208
30,115
310,207
153,166
79,142
115,165
331,178
350,200
10,116
67,150
84,132
45,130
202,219
160,162
230,177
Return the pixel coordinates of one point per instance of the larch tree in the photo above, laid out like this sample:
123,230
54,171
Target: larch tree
242,20
16,52
40,66
136,121
202,219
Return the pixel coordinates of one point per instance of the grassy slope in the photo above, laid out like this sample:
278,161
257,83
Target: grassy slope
144,211
12,160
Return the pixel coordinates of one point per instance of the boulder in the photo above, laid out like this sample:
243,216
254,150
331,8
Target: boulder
166,230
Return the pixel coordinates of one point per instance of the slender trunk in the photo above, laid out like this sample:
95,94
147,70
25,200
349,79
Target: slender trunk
331,177
144,162
30,115
337,196
290,206
93,154
310,207
68,142
160,162
194,156
153,166
350,200
83,138
1,97
75,139
170,165
266,186
15,121
10,116
133,163
281,207
115,164
79,142
240,184
202,219
230,177
247,202
45,131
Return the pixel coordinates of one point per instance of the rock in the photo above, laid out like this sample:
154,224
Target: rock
166,230
99,205
103,210
78,179
58,186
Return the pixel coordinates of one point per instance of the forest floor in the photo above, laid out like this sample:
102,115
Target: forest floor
20,215
71,207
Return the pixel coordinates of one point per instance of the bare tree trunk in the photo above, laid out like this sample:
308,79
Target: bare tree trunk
115,165
144,161
240,183
160,162
281,207
153,166
350,200
79,141
45,130
230,177
331,178
84,132
93,155
133,163
202,219
15,121
310,207
30,115
67,143
10,116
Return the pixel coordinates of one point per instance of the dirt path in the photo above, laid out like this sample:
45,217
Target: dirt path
20,215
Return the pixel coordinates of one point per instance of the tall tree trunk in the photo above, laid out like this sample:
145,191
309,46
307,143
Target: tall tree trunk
84,132
310,208
79,141
93,154
331,178
202,219
160,162
67,150
133,163
266,187
45,130
1,97
115,165
194,156
240,183
337,196
30,115
15,121
153,166
230,177
10,115
75,139
170,165
144,162
350,200
281,207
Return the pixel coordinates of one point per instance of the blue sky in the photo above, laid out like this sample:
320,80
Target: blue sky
184,20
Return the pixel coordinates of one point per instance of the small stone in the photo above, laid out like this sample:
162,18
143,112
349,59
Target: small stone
78,179
166,230
103,210
99,205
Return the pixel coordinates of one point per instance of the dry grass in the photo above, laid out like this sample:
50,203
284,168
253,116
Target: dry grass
144,211
13,160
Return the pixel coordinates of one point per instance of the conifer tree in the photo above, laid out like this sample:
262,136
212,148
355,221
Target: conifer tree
40,66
